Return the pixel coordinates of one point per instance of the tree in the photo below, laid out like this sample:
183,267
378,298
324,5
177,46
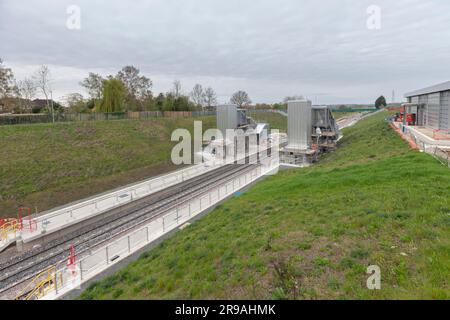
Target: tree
42,80
94,85
380,102
210,97
113,94
138,88
279,106
26,89
159,102
6,81
197,95
176,89
240,98
182,103
75,102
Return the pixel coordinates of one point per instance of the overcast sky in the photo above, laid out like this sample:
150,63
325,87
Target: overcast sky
271,49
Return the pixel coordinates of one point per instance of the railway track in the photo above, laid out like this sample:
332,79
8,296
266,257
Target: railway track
18,270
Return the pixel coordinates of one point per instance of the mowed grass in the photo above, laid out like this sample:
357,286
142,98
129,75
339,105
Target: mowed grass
311,233
46,165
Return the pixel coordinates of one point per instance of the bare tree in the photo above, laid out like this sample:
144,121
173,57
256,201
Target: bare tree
75,102
42,80
94,85
197,95
210,97
138,87
240,98
177,89
26,89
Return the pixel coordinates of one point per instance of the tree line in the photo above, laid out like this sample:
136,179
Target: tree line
128,90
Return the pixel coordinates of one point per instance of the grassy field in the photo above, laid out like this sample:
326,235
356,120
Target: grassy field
311,233
46,165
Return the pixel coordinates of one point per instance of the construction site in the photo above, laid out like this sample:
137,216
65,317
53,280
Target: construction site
424,120
46,255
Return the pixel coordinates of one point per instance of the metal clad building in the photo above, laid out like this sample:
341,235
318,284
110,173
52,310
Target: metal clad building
299,124
433,107
227,117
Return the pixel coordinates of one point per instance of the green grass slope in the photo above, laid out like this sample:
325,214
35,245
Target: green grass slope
47,165
311,233
276,120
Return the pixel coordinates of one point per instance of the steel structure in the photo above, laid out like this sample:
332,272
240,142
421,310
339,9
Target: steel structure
25,266
299,124
311,131
431,106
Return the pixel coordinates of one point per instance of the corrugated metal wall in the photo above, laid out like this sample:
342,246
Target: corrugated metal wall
433,110
227,117
299,124
444,122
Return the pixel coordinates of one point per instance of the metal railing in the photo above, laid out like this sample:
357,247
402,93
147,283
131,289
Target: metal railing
440,153
67,278
80,211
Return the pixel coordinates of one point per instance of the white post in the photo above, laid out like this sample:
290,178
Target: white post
81,269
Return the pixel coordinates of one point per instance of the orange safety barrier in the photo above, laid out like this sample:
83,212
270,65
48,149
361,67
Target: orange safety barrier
441,134
410,141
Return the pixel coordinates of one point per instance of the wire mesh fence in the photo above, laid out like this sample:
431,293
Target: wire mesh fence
10,119
441,153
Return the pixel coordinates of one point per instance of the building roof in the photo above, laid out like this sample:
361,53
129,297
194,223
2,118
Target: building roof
436,88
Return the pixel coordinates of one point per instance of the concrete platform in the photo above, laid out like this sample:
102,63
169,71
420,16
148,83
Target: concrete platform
77,212
424,135
110,256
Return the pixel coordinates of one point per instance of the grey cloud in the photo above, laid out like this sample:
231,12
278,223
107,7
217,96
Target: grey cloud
273,48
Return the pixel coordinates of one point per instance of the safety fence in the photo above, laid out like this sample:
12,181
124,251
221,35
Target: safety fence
441,134
9,119
70,277
75,213
441,153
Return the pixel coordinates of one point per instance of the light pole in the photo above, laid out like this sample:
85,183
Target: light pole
53,110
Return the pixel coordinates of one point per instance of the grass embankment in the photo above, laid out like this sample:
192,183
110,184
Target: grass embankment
339,115
276,120
47,165
311,233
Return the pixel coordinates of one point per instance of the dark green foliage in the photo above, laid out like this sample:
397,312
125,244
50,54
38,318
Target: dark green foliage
380,102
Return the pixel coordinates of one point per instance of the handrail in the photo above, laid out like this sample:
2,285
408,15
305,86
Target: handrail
7,228
39,286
